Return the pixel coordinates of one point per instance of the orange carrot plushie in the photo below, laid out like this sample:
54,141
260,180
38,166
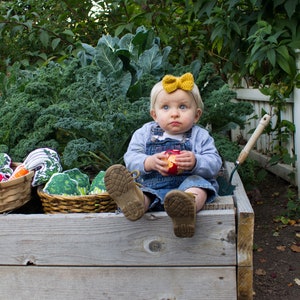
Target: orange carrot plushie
19,171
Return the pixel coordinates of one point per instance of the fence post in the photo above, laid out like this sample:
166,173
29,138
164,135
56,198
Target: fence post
297,122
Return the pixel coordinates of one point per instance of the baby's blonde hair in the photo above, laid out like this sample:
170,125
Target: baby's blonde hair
158,87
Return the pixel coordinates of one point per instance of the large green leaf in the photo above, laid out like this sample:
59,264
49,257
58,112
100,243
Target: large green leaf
109,41
285,61
290,7
125,42
108,61
143,39
271,55
125,82
150,61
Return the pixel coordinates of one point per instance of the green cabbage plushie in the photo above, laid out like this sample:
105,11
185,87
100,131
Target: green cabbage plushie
61,184
81,178
98,185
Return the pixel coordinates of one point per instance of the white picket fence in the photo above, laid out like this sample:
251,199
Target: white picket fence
266,143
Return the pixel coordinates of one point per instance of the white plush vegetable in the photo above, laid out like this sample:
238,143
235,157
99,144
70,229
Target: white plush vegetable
43,161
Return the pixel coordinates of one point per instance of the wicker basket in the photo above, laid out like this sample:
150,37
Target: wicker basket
97,203
15,193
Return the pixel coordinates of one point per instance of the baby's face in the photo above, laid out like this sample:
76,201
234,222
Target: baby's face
175,112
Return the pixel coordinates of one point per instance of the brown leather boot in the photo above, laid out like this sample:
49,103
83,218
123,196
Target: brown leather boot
181,208
123,190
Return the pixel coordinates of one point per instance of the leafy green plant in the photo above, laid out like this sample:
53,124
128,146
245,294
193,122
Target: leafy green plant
292,208
230,151
264,34
82,108
282,131
293,205
88,107
37,32
253,39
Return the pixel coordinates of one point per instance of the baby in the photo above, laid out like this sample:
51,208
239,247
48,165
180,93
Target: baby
176,107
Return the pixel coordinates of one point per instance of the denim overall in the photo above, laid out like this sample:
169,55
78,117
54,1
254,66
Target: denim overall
157,186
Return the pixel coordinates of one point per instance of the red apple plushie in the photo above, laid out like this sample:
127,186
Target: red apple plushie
172,168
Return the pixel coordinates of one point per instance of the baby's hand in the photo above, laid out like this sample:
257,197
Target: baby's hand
186,160
157,162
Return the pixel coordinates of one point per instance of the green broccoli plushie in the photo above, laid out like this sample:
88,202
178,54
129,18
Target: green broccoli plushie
5,160
81,178
5,169
98,185
61,184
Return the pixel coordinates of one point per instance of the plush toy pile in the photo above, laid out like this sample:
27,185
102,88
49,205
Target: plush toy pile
48,171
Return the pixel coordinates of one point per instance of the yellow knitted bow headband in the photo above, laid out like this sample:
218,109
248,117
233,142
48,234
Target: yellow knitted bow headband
171,83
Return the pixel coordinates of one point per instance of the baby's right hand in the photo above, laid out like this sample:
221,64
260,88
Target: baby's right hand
157,162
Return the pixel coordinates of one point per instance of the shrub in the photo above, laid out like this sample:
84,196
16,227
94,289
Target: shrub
88,107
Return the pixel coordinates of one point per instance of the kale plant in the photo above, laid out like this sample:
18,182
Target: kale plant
87,107
220,111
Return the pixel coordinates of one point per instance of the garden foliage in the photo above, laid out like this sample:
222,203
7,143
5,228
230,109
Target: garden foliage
88,107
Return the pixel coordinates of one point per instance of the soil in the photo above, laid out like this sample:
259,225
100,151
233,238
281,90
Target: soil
276,256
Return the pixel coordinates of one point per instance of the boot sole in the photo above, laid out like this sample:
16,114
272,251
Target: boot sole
181,208
121,187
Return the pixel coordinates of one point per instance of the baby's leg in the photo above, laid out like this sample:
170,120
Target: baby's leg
200,196
182,208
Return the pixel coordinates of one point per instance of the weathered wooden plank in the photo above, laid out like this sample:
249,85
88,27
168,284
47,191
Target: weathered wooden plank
245,227
64,283
245,235
110,239
245,283
245,221
224,202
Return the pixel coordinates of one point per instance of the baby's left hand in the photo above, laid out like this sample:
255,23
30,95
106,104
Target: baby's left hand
186,160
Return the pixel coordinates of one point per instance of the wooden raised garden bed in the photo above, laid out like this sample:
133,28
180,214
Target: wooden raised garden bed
105,256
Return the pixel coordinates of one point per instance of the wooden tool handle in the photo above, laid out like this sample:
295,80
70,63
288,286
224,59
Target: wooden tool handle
256,134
